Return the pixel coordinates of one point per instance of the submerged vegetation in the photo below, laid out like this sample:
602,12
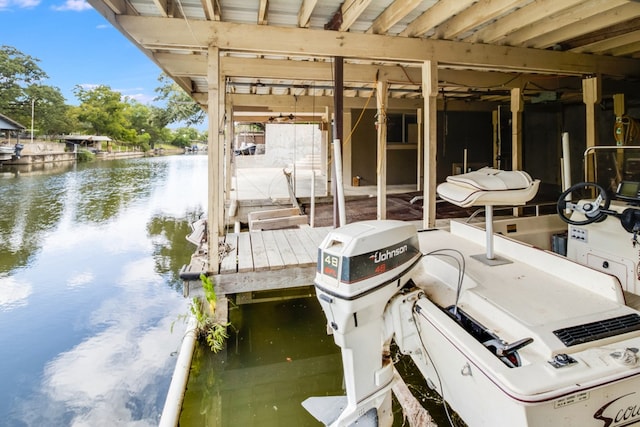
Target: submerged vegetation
203,309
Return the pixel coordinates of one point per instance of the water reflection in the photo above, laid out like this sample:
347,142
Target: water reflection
89,257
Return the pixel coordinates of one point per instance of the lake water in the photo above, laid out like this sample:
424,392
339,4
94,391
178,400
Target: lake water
89,292
89,288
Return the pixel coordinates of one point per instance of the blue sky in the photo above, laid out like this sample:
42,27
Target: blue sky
77,46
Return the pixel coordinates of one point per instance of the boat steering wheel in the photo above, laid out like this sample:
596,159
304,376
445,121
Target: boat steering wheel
593,211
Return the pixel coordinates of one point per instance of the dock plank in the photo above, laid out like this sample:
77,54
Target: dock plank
309,242
229,263
314,237
259,252
288,256
276,262
298,247
245,256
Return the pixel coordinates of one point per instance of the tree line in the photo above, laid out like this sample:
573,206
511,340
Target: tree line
101,110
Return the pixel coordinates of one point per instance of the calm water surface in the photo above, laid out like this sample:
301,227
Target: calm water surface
89,288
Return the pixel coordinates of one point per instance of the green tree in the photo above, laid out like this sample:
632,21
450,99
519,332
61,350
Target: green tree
50,113
186,136
102,111
17,72
180,107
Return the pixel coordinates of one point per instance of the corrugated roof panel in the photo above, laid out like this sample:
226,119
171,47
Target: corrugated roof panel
235,11
146,8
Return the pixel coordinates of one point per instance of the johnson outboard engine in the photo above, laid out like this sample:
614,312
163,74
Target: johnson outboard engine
361,266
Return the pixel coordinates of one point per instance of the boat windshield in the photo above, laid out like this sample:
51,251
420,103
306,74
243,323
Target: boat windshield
616,169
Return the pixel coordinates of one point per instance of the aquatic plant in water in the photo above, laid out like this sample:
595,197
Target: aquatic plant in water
207,328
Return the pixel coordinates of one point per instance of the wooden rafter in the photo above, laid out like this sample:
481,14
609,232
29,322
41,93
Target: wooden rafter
119,7
566,25
481,12
530,14
606,38
434,16
392,14
161,5
351,11
262,12
610,43
304,15
211,9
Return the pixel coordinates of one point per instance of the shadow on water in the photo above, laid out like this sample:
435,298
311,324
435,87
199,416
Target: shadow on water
278,354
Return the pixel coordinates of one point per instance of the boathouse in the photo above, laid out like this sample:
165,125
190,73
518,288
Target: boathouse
9,128
412,90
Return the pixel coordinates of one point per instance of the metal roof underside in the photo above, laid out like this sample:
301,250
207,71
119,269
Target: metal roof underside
483,48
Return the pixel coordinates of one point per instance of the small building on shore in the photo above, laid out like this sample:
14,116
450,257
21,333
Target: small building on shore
9,128
90,142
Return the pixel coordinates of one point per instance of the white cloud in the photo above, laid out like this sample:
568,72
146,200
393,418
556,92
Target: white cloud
23,4
74,5
12,293
79,279
142,98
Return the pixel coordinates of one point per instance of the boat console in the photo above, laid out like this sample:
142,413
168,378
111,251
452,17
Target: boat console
603,231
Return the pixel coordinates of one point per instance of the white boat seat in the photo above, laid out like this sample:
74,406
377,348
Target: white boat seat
488,186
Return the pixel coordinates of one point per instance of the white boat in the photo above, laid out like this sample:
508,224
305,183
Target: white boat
7,149
507,333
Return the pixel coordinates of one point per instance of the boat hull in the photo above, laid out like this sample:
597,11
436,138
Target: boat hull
462,372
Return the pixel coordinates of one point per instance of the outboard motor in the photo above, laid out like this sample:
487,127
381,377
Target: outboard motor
18,150
361,266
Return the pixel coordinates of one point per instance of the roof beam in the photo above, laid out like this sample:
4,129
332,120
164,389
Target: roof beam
351,11
262,12
211,9
609,44
434,16
392,14
304,15
171,33
531,14
586,18
117,6
477,14
161,5
195,65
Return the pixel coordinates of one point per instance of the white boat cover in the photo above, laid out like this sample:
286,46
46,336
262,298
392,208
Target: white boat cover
488,186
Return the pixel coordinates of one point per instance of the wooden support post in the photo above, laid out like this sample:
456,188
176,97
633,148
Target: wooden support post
430,93
346,149
215,173
221,137
496,129
420,151
591,95
228,151
517,106
381,170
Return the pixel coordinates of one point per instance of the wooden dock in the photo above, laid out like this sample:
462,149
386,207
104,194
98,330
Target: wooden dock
263,261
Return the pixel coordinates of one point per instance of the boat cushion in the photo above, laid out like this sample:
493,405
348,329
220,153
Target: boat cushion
488,186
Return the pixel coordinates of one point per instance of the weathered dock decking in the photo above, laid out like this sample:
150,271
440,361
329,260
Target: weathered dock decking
259,261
